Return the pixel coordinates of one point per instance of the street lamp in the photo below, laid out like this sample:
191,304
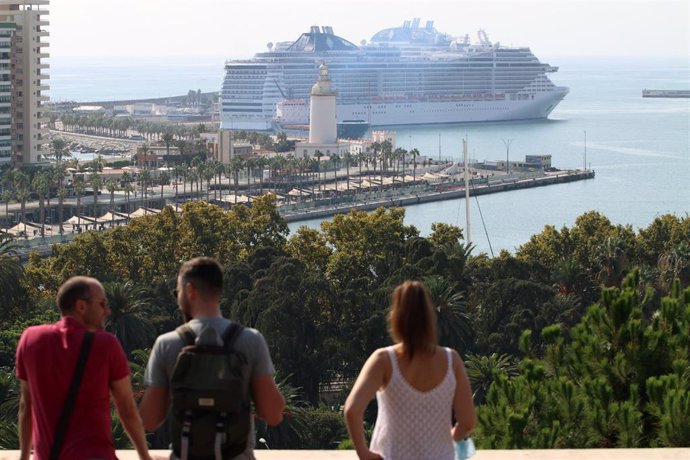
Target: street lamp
507,143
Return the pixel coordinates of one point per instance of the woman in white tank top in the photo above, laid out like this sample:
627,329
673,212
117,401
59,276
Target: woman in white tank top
418,386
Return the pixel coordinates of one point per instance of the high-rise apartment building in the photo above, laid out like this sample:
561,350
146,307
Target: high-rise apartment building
6,33
22,25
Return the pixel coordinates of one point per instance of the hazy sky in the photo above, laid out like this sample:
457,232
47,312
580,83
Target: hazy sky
239,28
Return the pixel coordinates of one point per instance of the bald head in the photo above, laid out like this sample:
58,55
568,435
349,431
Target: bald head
74,289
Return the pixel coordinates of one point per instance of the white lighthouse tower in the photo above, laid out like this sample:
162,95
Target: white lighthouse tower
322,118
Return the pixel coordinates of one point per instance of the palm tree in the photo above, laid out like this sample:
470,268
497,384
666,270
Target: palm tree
127,188
250,163
361,157
144,178
454,325
386,156
96,185
318,156
261,163
348,158
375,148
58,147
611,257
482,370
111,186
336,162
130,310
168,139
219,170
235,167
144,150
61,193
41,185
208,172
11,271
21,187
415,154
163,179
79,187
7,196
399,154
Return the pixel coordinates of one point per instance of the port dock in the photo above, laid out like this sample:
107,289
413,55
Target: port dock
670,93
439,192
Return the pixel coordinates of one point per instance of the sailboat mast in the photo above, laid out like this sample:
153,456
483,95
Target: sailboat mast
467,192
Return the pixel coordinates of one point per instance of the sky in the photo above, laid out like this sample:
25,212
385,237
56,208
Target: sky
239,28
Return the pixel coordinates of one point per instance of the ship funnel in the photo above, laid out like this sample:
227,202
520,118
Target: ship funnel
429,26
315,29
328,30
415,23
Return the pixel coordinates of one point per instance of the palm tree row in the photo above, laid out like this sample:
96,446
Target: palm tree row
284,172
101,124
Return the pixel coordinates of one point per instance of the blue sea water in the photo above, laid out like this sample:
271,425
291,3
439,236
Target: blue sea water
639,147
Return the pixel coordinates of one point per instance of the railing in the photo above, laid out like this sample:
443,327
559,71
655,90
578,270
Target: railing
534,454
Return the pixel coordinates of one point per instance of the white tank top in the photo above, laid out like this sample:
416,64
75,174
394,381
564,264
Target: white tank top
413,424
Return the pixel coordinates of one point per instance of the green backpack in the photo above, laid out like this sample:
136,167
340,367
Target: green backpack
210,398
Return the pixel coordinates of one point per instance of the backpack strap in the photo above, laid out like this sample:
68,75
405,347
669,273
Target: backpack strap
186,334
231,334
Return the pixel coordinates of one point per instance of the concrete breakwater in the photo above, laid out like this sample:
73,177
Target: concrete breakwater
445,191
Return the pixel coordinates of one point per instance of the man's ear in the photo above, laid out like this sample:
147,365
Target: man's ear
79,307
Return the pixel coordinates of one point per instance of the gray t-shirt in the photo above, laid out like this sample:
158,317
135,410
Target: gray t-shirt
250,342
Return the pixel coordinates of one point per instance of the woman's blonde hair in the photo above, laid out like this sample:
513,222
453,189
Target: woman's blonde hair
412,320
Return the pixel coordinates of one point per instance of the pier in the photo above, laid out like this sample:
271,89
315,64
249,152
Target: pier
444,191
669,93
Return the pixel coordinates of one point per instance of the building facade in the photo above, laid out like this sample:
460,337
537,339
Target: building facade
28,76
7,30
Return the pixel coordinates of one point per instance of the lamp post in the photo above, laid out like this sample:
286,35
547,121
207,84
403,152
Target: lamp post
507,143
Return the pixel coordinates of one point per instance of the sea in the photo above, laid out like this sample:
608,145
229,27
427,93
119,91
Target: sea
638,147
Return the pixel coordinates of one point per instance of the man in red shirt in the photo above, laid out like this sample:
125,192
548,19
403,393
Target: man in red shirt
45,363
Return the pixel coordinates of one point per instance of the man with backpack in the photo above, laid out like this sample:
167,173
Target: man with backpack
208,371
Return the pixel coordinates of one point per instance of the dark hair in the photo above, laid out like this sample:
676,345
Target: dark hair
75,288
205,273
412,319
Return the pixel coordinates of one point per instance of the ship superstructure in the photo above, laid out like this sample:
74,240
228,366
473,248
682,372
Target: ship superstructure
404,75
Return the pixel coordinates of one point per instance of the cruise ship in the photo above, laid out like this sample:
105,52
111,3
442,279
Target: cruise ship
407,75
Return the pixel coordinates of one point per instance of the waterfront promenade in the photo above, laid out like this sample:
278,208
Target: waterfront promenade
315,207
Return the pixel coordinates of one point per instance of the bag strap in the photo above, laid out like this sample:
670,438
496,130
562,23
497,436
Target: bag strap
71,396
186,334
231,334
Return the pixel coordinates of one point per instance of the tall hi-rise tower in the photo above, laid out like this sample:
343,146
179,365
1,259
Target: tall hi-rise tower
26,73
7,30
322,118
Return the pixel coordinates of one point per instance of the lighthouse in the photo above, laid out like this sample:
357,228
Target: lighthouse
322,118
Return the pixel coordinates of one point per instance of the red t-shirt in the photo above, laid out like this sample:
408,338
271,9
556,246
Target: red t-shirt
46,359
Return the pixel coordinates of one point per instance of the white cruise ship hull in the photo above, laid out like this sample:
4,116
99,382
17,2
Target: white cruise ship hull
426,112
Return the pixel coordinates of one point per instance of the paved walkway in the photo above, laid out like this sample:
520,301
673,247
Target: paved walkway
554,454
